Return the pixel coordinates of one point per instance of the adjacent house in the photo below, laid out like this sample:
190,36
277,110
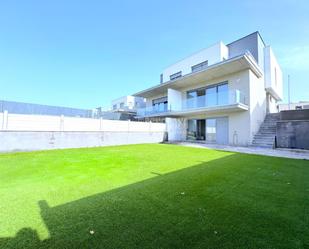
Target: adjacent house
220,94
123,108
293,106
128,103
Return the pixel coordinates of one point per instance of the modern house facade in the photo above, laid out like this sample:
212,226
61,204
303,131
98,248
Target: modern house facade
220,94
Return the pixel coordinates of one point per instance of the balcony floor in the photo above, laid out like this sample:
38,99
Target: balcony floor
202,110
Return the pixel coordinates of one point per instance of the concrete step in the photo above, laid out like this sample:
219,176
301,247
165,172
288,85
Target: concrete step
268,128
262,144
271,130
267,132
264,139
261,141
261,137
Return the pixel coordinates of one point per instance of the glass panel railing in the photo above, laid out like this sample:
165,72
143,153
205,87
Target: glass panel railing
151,110
220,98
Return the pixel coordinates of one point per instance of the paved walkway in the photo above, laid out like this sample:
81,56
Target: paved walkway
288,153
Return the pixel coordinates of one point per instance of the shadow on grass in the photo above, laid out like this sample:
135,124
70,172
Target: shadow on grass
205,206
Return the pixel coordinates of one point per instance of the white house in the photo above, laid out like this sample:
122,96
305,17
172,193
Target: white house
220,94
128,103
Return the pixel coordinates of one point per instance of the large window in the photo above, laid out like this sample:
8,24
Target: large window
211,130
196,129
196,98
211,96
160,105
199,66
223,96
208,96
175,75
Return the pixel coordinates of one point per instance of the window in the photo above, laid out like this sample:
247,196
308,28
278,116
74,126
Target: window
175,75
160,105
121,105
114,107
199,66
223,96
211,130
196,98
208,96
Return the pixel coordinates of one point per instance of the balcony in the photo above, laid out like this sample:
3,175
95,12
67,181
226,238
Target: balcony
223,102
152,111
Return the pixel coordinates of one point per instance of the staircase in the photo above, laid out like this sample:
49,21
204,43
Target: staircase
267,132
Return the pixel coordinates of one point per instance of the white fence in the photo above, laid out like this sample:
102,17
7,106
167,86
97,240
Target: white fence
21,122
37,132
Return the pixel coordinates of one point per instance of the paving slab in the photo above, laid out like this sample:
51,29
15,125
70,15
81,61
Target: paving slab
287,153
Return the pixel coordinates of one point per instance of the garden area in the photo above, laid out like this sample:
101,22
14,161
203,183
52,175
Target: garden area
152,196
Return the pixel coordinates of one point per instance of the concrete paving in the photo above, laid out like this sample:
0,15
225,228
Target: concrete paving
287,153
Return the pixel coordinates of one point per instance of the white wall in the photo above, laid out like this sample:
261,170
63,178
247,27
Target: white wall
20,122
176,129
174,99
258,103
37,132
273,74
285,107
46,140
213,54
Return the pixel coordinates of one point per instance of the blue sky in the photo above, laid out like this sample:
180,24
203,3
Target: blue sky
86,53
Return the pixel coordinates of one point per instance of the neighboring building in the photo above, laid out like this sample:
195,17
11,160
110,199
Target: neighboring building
128,103
37,109
218,95
293,106
123,108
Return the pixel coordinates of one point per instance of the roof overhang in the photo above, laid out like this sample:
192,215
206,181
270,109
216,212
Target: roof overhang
235,64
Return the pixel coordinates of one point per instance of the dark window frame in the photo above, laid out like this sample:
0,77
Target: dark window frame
200,66
176,75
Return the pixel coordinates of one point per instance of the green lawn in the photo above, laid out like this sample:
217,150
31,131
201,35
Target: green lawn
152,196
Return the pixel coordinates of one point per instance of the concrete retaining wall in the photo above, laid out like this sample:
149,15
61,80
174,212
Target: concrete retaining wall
293,134
295,115
46,140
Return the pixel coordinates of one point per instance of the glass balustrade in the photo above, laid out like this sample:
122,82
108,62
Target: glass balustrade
211,98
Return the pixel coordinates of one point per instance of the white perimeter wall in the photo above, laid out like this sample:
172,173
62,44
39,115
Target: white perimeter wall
36,132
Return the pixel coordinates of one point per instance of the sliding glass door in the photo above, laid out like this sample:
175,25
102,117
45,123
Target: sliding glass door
196,129
211,96
223,96
211,130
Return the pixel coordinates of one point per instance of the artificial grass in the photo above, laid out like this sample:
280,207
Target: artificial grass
152,196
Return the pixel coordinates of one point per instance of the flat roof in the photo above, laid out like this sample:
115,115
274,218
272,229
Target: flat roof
235,64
